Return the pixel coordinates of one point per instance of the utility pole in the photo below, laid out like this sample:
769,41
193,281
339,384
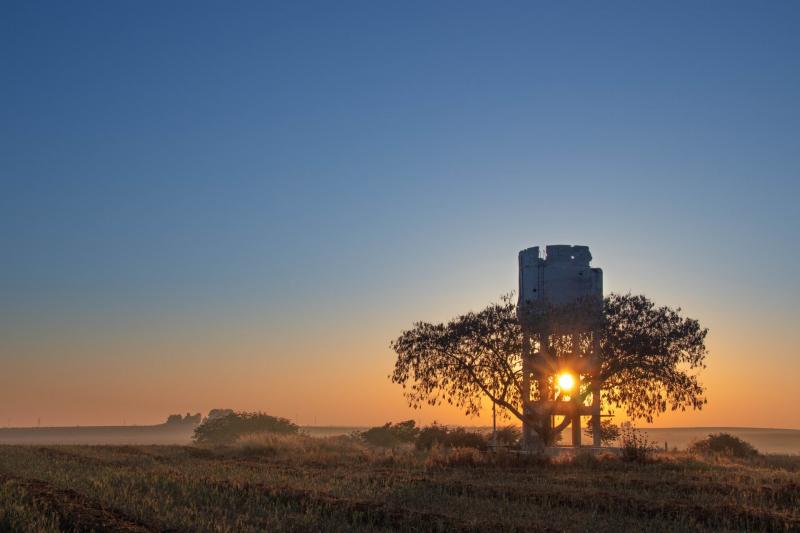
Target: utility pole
494,416
494,425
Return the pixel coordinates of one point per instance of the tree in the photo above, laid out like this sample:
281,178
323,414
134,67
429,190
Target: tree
193,419
227,429
648,355
174,419
217,413
188,419
648,358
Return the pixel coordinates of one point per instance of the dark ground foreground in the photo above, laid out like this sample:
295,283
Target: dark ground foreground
337,484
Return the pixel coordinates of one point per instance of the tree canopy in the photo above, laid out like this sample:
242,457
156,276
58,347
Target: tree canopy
649,357
229,428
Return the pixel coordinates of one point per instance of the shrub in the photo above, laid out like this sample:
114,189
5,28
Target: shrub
227,429
438,457
585,459
390,435
635,445
431,436
724,444
508,436
609,432
449,438
302,449
461,438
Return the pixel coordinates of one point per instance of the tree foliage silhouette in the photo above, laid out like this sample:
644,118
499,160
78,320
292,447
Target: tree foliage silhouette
649,356
229,428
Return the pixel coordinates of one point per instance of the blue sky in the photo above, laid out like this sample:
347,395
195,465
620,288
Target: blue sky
189,169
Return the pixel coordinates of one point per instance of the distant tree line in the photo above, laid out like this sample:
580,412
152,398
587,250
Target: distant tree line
197,418
189,419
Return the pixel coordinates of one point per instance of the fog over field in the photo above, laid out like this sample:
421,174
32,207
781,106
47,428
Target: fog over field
766,440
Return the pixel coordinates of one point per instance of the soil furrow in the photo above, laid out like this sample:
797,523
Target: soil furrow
76,512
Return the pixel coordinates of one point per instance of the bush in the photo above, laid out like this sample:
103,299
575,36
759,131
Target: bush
449,438
390,435
609,432
724,444
635,445
303,449
227,429
438,457
430,436
508,436
461,438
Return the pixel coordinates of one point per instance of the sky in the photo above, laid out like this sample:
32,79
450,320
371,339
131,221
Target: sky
210,205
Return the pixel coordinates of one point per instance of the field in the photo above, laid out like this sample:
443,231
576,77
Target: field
336,484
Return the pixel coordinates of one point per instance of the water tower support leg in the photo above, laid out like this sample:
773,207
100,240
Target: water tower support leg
576,430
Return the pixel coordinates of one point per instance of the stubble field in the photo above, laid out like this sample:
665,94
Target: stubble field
336,484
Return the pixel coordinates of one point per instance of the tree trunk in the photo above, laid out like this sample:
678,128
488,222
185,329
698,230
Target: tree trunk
532,442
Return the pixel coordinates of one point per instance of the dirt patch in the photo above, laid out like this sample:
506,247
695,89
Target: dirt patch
126,449
364,512
77,512
58,454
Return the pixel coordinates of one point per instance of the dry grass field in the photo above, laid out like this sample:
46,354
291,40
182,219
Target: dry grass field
301,483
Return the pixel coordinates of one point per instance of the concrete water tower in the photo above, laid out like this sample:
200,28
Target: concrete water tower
560,310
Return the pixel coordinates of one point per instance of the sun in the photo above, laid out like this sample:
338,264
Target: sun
566,381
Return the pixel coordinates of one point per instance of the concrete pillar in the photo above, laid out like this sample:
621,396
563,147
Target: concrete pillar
531,440
576,426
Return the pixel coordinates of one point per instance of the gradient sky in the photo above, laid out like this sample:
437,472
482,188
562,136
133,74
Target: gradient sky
212,205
